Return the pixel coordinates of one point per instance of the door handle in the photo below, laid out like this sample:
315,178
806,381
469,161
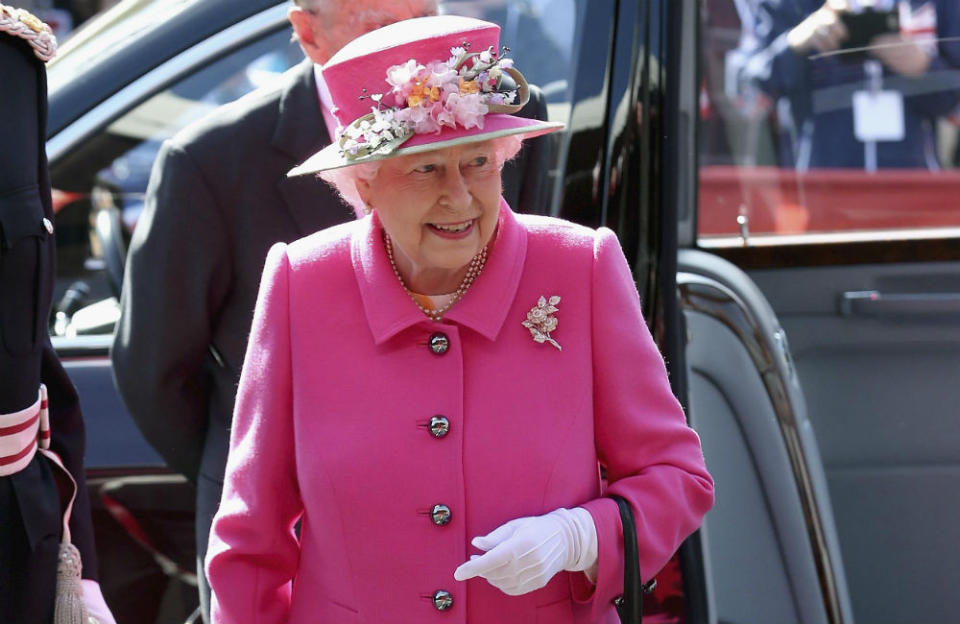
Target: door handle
876,303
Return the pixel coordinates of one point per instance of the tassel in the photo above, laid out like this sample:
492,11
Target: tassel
69,607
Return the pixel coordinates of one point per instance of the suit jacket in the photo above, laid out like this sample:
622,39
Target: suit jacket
30,508
218,198
331,430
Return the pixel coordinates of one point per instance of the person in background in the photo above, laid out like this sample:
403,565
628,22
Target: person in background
218,198
869,108
48,562
430,391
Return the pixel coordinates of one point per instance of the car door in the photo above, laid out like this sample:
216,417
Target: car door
861,265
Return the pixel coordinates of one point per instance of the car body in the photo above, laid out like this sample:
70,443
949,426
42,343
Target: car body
866,291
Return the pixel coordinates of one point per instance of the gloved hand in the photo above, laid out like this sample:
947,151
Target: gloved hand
96,606
524,554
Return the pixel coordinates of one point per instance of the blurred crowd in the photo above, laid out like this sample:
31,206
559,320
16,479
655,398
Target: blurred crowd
862,84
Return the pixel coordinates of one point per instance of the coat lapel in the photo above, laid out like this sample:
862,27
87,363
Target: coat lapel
299,133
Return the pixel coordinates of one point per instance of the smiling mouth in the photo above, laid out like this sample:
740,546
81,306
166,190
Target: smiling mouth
453,228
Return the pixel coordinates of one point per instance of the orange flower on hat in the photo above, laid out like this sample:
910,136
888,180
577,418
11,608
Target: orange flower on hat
422,96
416,95
468,86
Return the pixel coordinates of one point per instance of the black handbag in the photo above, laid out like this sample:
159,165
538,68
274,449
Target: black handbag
630,604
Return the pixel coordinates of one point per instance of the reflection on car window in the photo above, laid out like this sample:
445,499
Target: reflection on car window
815,121
109,31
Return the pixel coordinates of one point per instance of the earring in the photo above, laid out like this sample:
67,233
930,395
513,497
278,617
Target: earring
367,208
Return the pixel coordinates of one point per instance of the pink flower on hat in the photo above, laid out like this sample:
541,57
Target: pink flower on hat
468,109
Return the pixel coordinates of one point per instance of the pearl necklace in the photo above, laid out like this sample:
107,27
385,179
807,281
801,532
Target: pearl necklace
473,270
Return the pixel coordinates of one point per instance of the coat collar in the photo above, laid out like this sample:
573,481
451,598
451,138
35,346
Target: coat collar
483,308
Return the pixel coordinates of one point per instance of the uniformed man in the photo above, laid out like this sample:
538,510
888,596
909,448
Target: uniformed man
41,444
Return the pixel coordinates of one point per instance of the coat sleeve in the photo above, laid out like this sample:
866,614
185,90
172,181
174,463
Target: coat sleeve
176,279
652,457
936,93
253,552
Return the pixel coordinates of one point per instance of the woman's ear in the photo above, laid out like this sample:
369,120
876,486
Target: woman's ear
363,188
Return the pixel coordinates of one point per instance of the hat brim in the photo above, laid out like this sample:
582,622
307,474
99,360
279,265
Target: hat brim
494,127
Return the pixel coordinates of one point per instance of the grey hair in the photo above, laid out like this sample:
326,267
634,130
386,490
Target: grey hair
344,179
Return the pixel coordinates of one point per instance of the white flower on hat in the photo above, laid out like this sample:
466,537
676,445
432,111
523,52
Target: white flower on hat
402,77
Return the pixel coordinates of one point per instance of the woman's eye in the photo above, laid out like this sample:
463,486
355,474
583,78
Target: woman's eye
479,161
426,169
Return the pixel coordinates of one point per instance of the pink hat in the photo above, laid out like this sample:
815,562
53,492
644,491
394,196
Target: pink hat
420,85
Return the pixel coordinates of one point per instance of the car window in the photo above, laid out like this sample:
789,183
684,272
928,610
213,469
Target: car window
828,127
99,184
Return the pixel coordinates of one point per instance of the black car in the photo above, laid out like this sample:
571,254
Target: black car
835,457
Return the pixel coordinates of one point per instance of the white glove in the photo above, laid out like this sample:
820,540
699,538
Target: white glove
524,554
96,606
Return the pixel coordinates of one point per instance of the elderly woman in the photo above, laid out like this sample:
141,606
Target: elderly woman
429,390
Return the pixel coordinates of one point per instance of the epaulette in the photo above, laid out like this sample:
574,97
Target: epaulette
25,25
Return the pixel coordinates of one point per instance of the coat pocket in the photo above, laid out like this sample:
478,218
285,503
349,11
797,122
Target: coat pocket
24,301
318,608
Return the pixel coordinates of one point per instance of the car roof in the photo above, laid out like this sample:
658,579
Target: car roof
129,40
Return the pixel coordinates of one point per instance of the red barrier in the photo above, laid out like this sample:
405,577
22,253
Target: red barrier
781,201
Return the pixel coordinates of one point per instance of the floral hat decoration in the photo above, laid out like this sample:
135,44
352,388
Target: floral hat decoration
419,85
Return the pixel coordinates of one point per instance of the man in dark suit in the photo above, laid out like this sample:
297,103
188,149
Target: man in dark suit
34,491
218,199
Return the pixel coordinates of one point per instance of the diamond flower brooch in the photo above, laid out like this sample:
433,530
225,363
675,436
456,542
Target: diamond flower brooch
540,320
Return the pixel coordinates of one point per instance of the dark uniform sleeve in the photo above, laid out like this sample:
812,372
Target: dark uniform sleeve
27,358
175,282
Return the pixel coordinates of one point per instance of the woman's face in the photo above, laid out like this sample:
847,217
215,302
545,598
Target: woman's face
440,208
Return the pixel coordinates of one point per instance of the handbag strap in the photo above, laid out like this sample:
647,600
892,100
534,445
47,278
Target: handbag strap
630,604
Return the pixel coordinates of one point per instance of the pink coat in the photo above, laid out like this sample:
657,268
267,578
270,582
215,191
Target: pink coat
331,427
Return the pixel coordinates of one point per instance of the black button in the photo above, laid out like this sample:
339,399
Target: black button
440,515
439,426
439,343
442,600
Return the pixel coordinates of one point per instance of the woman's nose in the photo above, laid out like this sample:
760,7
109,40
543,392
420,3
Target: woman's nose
456,193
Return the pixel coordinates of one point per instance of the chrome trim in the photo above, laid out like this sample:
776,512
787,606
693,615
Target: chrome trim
708,296
144,86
